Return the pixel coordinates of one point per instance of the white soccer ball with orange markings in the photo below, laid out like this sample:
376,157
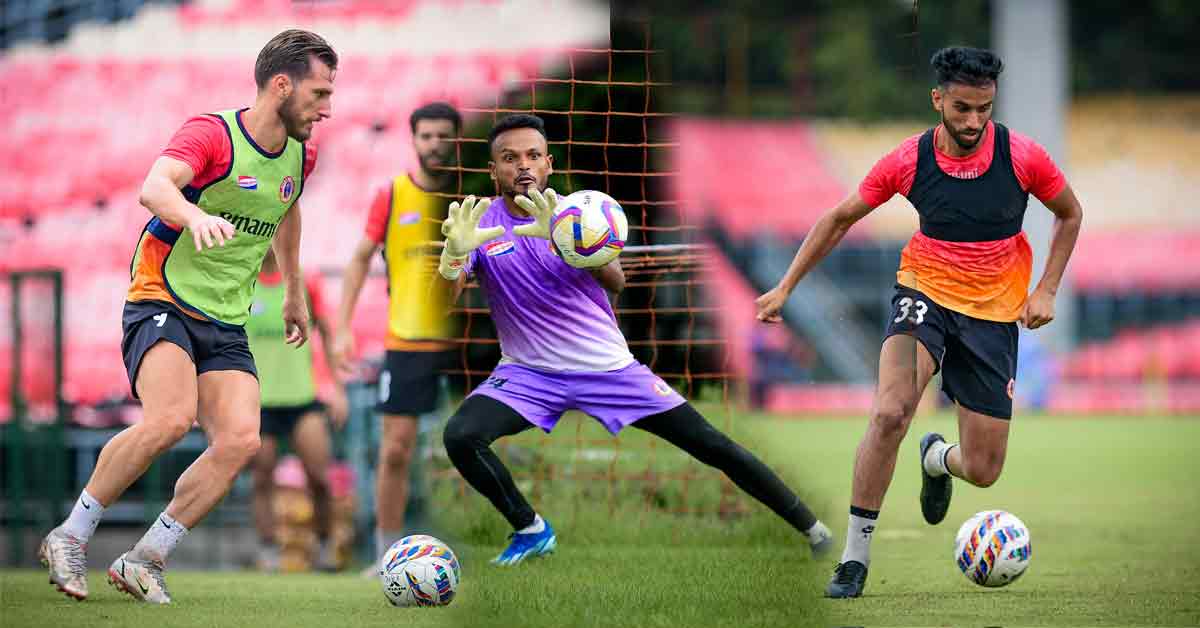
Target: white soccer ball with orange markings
589,229
419,570
993,549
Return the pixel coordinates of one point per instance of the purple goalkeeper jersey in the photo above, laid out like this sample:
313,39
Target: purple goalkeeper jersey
548,315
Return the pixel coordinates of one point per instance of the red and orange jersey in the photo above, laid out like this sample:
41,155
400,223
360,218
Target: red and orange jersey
983,279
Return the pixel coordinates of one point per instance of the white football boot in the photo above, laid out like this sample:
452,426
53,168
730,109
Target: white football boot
141,579
66,558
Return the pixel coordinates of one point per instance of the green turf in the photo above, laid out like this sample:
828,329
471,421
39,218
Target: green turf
1112,504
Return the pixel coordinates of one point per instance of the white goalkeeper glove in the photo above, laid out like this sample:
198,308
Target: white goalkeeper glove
463,234
541,208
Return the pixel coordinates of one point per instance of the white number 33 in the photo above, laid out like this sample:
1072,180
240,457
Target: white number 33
919,308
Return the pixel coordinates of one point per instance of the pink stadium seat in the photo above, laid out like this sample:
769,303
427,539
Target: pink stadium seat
1133,355
777,160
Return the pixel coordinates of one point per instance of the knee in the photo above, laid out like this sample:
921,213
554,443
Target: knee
395,453
262,471
892,417
982,470
458,438
240,447
161,433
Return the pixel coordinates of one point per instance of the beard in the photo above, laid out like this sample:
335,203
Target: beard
963,142
293,121
437,170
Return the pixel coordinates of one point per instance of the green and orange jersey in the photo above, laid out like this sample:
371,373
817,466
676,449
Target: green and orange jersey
406,221
236,179
982,278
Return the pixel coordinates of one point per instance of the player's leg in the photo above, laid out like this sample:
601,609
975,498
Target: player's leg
165,380
408,388
979,455
688,430
262,472
980,368
229,415
906,365
513,399
468,437
396,446
310,439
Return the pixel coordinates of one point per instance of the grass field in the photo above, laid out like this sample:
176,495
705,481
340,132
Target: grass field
1112,504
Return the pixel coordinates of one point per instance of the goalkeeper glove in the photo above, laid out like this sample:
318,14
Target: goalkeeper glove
541,208
463,234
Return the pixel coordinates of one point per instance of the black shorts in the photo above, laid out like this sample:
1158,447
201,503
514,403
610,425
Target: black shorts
408,383
977,358
279,421
212,347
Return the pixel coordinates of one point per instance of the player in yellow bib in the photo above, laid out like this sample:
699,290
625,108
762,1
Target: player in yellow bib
223,192
405,220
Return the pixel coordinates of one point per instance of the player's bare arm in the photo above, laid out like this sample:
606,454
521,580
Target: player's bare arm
1068,217
829,230
611,276
352,282
287,254
161,195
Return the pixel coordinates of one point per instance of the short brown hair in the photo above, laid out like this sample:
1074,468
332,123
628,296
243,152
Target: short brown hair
290,53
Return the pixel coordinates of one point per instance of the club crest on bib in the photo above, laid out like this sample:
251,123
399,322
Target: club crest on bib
286,189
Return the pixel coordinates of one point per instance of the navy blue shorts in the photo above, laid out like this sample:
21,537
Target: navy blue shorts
212,347
977,358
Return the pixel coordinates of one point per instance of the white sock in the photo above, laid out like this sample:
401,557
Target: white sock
817,533
384,540
84,517
538,525
858,535
160,540
935,458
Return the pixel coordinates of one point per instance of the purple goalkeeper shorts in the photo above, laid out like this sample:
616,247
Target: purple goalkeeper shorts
615,398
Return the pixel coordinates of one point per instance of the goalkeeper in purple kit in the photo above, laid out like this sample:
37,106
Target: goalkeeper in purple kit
561,349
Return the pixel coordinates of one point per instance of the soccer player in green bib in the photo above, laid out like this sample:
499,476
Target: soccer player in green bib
291,410
223,192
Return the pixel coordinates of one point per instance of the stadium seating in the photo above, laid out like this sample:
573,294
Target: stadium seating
90,116
752,176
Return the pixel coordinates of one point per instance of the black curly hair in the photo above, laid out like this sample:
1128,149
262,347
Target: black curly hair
516,121
966,66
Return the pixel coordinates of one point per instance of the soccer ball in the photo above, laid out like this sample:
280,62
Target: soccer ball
992,548
419,570
589,229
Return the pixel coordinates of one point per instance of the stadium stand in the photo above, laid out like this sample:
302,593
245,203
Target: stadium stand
1136,268
91,113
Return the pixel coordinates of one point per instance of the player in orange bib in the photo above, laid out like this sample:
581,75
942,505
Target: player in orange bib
405,220
962,287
